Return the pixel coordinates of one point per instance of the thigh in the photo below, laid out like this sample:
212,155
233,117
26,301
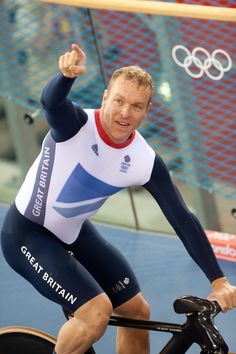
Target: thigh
106,264
48,266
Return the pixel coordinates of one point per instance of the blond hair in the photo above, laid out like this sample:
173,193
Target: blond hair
135,74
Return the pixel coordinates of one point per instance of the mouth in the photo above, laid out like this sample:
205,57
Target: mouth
123,124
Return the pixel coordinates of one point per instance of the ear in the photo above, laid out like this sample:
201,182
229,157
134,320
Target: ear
105,94
104,98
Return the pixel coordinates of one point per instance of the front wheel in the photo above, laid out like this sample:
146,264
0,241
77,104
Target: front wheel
26,340
18,339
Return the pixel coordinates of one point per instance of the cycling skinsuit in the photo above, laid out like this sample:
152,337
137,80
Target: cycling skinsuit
78,168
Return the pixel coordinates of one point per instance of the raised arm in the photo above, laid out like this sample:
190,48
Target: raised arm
64,116
191,233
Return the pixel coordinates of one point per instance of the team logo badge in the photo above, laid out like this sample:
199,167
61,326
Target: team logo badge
125,164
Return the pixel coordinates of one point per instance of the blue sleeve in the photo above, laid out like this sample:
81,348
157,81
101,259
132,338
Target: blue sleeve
185,223
64,116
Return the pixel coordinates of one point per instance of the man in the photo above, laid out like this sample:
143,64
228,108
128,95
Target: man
86,157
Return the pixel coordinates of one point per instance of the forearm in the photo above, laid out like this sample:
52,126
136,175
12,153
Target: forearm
199,247
56,91
64,117
185,224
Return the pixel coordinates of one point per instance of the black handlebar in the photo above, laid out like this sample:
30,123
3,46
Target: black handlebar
188,304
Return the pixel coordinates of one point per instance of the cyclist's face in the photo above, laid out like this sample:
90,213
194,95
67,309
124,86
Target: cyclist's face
124,107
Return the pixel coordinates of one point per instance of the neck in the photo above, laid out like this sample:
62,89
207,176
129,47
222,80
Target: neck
105,137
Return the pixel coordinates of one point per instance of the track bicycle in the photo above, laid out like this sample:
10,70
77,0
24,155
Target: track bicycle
198,328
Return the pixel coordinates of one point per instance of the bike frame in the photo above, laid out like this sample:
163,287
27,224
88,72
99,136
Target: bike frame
183,335
198,328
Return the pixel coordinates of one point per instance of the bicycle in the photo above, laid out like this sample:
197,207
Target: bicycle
198,328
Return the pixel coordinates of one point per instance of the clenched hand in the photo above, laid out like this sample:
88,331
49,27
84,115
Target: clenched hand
72,64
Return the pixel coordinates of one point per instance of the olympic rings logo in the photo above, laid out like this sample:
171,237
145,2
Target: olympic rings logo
204,61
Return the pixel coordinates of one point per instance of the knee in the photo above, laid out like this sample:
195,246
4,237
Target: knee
100,315
95,316
86,327
137,307
143,310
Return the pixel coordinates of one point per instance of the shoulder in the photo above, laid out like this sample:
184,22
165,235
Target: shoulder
142,158
160,170
141,144
90,113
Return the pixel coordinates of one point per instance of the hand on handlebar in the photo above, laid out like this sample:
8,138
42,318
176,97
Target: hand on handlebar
224,293
72,64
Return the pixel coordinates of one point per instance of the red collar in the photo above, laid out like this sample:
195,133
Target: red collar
103,135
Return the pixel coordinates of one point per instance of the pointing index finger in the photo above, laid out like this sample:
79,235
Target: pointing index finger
78,51
75,47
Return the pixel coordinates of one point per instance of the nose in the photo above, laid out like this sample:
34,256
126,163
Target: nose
125,111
